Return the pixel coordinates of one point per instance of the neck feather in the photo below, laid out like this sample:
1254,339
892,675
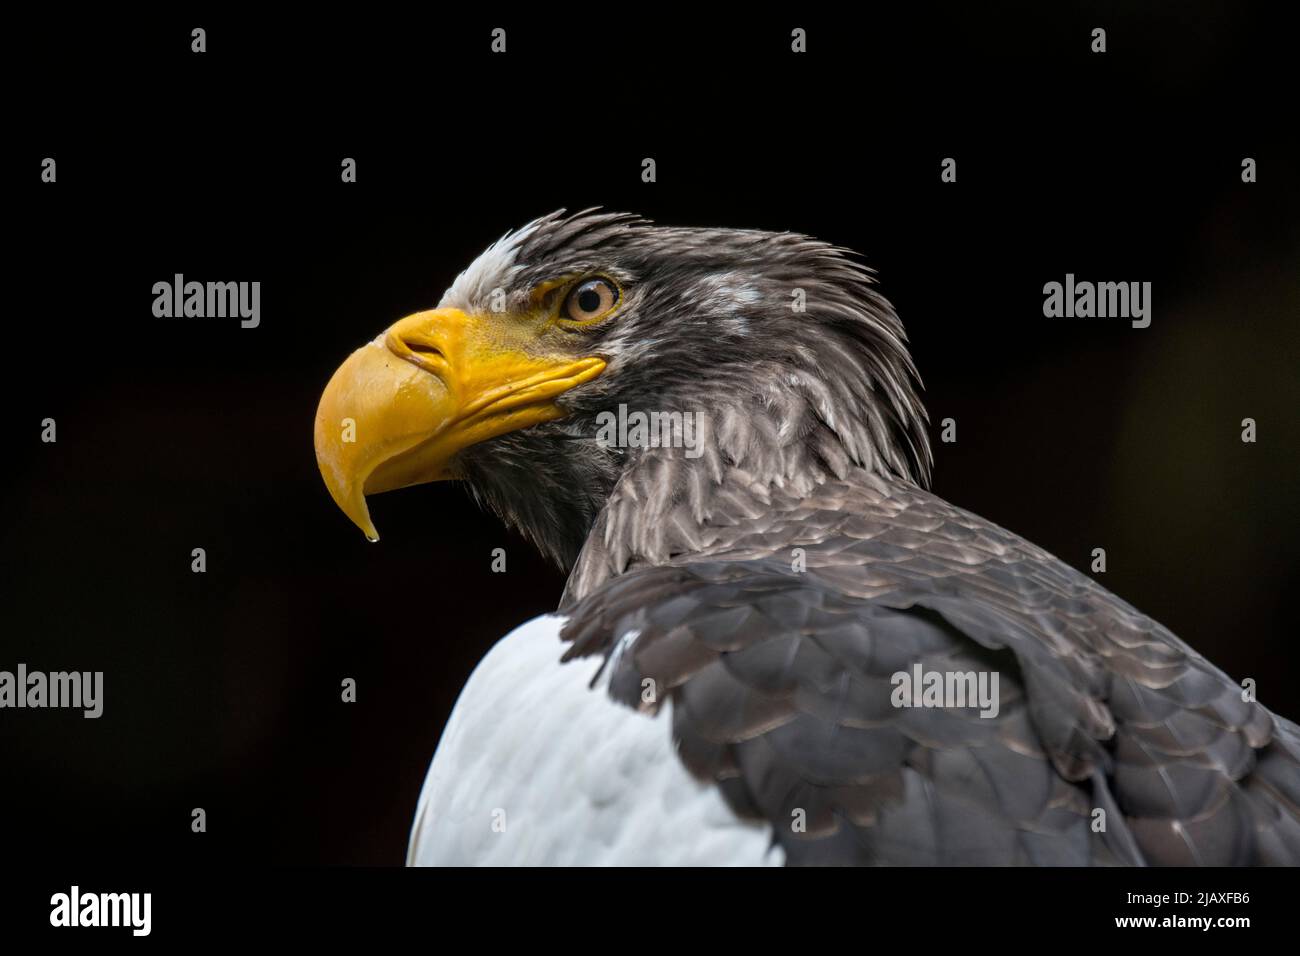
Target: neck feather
751,455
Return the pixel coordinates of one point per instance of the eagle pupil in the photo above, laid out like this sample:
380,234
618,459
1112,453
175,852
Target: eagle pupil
588,300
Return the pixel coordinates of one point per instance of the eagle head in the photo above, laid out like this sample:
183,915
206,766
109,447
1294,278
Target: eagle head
791,364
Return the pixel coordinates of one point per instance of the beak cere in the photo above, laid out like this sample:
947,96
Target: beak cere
401,407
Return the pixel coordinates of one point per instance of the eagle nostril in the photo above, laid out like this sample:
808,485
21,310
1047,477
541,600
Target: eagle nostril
424,348
415,347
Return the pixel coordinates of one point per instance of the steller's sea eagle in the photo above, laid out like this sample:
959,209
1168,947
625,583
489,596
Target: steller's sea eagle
772,639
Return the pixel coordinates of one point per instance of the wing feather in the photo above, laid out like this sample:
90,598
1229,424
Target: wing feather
780,684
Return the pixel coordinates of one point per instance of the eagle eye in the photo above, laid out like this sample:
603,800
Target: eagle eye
590,300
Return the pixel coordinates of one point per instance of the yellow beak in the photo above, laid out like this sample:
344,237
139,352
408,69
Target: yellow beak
399,409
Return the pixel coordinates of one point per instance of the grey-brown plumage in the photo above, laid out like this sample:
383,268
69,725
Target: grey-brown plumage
1114,742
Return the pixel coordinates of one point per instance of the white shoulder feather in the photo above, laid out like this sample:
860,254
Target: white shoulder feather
536,767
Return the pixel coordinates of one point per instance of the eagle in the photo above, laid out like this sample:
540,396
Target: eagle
773,640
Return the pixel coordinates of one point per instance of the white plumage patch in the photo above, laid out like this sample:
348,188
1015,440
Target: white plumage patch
536,767
493,269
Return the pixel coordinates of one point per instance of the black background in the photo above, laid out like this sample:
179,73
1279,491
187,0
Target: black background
223,689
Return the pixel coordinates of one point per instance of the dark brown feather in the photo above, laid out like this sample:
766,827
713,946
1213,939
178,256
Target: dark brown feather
780,691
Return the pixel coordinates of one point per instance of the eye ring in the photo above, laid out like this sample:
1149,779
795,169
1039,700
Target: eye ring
590,300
